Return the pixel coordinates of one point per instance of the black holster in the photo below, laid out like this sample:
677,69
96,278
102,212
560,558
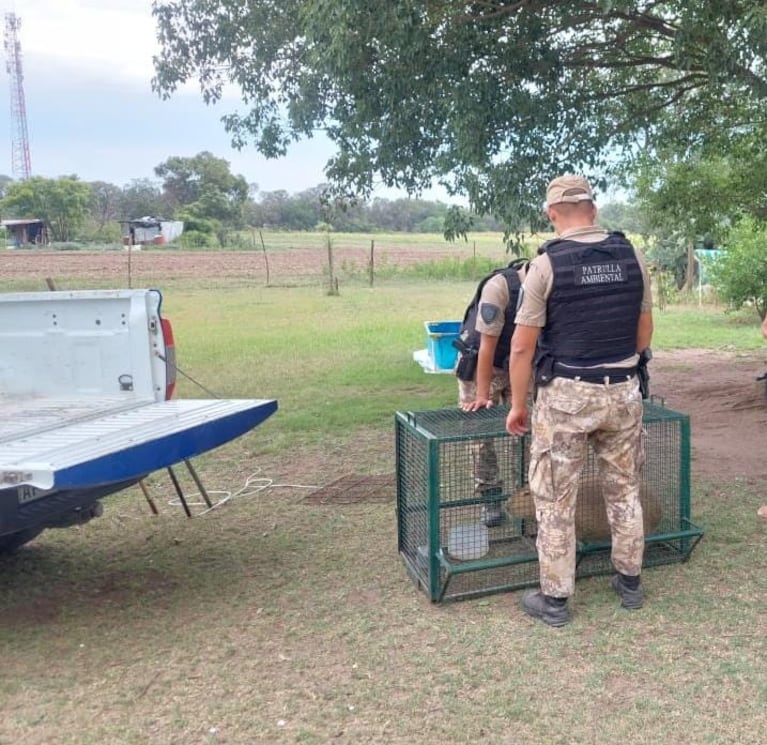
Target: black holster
544,370
467,359
467,365
643,374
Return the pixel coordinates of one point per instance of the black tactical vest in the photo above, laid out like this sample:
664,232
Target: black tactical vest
593,310
469,334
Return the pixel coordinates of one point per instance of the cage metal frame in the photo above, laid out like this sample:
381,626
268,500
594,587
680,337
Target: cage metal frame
432,568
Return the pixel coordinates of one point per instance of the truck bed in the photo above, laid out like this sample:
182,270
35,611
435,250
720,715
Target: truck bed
78,441
28,416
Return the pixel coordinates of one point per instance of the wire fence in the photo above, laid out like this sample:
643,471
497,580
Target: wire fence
322,266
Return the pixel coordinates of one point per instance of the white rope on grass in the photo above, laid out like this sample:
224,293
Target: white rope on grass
253,485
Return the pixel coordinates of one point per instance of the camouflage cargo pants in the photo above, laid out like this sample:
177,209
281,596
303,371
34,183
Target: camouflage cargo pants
484,459
567,415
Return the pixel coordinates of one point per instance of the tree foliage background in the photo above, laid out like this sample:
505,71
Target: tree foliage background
740,275
214,204
61,203
490,98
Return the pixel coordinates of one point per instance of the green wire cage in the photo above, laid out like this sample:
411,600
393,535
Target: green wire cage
443,539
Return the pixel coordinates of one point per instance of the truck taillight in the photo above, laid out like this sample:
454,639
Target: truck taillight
170,358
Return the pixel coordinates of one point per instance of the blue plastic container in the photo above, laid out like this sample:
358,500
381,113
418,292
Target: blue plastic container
439,342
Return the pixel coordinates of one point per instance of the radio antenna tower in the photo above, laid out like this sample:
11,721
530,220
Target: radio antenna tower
21,166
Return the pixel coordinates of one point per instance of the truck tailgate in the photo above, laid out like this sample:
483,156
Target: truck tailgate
101,448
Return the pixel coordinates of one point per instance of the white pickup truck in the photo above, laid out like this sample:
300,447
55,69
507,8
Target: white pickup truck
86,380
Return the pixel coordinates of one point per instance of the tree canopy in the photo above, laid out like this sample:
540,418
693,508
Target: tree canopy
490,98
61,203
205,186
75,210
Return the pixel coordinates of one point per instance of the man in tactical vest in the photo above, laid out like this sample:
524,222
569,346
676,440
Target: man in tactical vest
482,370
584,317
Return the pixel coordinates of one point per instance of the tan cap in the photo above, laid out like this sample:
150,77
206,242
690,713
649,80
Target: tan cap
568,189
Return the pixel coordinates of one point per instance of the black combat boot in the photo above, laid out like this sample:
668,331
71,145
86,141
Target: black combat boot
630,591
552,611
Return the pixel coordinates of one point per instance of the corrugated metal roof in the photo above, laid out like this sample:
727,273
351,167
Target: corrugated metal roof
14,223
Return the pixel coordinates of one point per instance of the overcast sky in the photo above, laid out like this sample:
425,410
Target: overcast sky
91,111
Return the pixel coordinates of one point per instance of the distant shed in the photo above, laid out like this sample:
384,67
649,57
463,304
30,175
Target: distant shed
26,232
144,231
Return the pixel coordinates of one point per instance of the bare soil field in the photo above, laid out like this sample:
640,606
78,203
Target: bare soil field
140,268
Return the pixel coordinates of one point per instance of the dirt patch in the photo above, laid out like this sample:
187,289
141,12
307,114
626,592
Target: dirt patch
354,489
30,613
104,591
727,407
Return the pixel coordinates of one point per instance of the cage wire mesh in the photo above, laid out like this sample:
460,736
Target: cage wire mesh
450,547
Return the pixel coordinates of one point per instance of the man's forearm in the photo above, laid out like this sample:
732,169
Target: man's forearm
485,363
644,330
523,346
484,373
520,372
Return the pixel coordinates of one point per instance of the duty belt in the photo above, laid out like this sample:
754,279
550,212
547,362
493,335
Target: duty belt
603,375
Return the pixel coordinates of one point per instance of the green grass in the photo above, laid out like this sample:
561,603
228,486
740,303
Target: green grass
283,240
335,363
273,621
706,327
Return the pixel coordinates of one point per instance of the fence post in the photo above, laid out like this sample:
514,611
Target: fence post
333,285
371,263
266,258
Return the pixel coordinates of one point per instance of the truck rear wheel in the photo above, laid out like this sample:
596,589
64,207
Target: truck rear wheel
14,541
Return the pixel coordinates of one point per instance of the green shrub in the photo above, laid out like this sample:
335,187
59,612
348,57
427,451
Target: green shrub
452,268
197,239
740,274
